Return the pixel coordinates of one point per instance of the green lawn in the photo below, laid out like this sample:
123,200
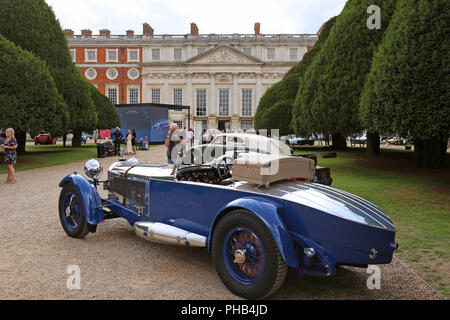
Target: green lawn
50,155
418,201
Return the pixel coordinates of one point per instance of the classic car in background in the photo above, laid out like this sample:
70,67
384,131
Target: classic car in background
44,138
396,141
233,144
255,232
301,141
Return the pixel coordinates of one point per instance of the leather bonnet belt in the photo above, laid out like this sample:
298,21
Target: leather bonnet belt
124,183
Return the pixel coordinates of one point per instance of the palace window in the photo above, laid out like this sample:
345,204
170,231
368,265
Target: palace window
293,54
156,96
90,55
133,74
112,95
270,53
91,74
73,54
112,74
201,102
246,102
133,96
156,54
177,54
224,103
112,55
180,124
178,98
133,55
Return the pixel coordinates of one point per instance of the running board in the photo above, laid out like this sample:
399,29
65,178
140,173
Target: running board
164,233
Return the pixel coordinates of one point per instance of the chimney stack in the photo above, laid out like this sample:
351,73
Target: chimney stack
69,33
257,28
148,31
86,33
130,33
105,33
194,29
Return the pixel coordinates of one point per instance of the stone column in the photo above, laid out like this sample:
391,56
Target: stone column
235,94
212,105
165,91
189,100
259,93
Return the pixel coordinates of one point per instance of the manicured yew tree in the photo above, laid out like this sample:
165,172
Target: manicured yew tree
279,116
272,96
331,88
29,99
299,123
408,88
107,114
287,88
32,25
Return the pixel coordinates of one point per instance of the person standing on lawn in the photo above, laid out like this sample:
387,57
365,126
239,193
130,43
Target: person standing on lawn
128,140
10,146
117,135
133,140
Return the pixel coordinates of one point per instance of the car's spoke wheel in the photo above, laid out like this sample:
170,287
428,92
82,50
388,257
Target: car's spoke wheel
246,256
71,212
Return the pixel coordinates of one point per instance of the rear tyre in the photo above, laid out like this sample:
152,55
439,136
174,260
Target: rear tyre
72,213
246,256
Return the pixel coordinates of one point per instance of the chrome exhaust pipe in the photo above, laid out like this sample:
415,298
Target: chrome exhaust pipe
164,233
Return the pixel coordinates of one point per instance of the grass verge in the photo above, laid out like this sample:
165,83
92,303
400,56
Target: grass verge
418,202
50,155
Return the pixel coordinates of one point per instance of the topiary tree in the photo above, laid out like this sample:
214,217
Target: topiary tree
287,88
270,97
108,116
407,90
331,88
279,116
299,123
32,25
29,99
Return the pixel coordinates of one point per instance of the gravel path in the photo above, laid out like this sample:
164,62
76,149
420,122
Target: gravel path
115,264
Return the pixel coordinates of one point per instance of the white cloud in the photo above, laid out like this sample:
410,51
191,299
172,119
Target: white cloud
211,16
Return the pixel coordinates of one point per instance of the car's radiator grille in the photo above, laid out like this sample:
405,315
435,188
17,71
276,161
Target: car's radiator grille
135,190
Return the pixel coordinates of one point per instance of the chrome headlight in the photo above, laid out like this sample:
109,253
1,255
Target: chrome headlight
93,169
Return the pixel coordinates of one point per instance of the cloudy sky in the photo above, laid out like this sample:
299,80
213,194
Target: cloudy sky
211,16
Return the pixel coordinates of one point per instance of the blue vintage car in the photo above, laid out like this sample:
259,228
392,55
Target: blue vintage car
254,232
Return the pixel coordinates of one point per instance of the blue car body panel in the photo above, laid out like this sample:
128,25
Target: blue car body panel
341,228
91,200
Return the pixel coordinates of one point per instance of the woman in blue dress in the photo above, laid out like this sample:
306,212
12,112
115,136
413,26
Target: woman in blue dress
10,146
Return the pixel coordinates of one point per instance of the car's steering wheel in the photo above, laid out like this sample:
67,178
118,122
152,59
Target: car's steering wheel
223,166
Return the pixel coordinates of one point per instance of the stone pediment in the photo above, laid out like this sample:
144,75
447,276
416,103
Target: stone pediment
224,55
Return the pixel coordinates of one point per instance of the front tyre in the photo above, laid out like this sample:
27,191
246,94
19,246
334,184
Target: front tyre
71,212
246,256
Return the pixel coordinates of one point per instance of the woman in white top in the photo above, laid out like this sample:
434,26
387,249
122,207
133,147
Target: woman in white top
128,142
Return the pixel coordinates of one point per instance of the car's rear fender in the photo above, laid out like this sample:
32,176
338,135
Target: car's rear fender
267,211
91,200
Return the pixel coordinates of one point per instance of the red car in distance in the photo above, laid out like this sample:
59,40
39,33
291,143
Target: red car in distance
44,138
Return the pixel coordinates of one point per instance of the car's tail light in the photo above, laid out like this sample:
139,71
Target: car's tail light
299,179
